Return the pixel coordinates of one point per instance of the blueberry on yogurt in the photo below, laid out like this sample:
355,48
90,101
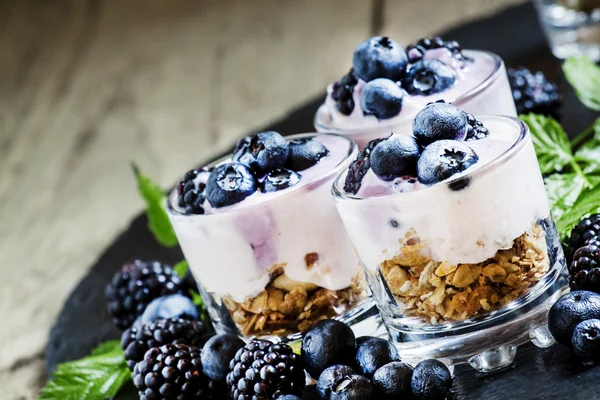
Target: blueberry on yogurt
444,158
379,57
381,98
263,152
427,77
439,121
279,179
304,153
394,157
229,184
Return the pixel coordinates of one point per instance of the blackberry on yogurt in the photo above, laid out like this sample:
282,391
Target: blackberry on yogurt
343,92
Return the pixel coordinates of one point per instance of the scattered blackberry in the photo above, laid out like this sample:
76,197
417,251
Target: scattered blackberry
359,167
135,286
415,51
475,129
172,371
263,370
343,91
136,342
533,93
584,230
584,270
191,195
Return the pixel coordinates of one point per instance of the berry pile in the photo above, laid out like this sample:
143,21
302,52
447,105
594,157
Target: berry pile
533,93
435,152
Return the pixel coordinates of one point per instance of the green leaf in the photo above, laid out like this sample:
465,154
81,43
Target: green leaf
181,268
563,190
588,154
158,220
551,143
96,377
584,76
587,203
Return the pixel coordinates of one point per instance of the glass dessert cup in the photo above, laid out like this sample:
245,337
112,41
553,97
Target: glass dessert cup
467,269
273,267
492,96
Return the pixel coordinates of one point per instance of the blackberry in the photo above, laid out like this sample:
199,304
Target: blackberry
172,371
191,195
533,93
135,286
475,129
342,93
416,50
584,271
584,230
263,370
359,167
135,342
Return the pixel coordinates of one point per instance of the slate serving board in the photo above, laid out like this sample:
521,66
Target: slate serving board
551,373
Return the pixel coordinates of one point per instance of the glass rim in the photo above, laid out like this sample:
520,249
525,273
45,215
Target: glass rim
352,148
488,81
339,193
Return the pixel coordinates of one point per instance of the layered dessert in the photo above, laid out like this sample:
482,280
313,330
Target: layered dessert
389,84
262,237
451,219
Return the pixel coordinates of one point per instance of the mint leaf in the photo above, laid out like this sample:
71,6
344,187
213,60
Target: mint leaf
96,377
158,220
587,203
588,154
551,143
584,76
181,268
563,190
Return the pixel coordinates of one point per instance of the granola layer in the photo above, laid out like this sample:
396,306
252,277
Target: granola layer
440,291
287,306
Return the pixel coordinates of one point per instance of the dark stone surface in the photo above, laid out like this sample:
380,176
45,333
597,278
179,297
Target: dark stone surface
536,374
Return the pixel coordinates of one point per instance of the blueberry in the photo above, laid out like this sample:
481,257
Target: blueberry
172,306
353,387
570,310
330,378
304,153
396,156
586,340
373,354
431,380
361,339
263,153
439,121
393,380
229,184
216,354
428,77
442,159
288,397
328,342
381,98
379,57
279,179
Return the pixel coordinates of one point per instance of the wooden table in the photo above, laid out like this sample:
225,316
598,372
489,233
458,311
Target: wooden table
88,86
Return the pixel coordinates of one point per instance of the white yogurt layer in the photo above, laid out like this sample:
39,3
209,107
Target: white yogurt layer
231,250
504,198
481,87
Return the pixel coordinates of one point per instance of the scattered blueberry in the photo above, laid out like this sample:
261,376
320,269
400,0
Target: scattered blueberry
395,156
304,153
263,152
431,380
330,378
379,57
216,354
393,380
373,354
570,310
279,179
586,340
382,98
442,159
328,342
439,121
229,184
353,387
173,306
428,77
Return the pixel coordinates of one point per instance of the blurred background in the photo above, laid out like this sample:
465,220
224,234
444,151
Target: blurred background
87,86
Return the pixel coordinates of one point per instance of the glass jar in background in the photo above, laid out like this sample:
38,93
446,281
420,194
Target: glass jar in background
467,269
